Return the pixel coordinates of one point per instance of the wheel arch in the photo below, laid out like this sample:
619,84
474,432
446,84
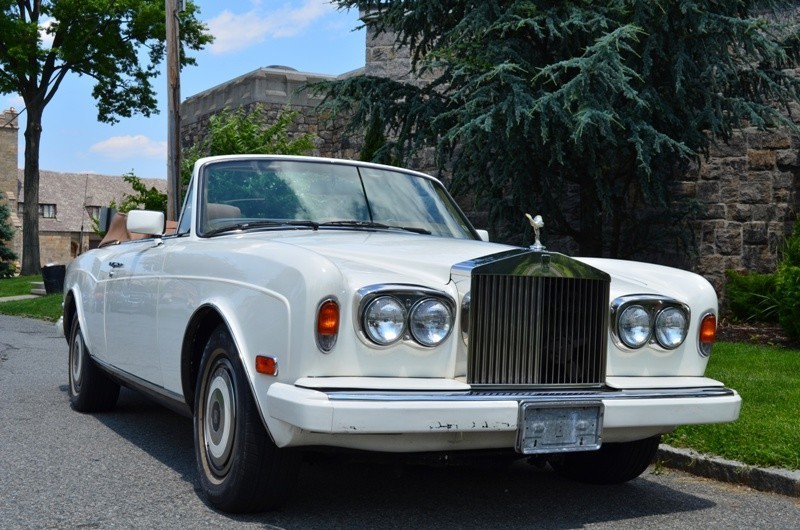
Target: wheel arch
199,329
69,312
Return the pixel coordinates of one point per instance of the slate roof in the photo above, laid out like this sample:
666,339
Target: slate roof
70,192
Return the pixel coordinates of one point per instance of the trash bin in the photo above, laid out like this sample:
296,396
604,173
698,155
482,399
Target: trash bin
53,277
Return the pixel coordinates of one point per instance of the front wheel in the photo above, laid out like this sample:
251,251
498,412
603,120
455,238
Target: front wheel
90,389
613,463
241,469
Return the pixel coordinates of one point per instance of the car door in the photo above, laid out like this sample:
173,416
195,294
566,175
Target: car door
131,309
93,299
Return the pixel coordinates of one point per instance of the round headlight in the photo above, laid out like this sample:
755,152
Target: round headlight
634,327
671,327
385,320
431,322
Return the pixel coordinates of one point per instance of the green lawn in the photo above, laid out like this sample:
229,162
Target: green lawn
768,378
768,430
18,285
42,307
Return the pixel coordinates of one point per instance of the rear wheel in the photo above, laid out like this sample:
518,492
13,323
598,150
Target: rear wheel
614,463
90,389
241,469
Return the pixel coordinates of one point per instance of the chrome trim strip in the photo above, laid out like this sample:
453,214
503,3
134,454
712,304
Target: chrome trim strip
528,396
525,262
705,353
654,303
167,398
409,295
467,266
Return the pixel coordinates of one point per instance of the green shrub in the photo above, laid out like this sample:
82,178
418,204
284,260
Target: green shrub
787,282
787,285
752,296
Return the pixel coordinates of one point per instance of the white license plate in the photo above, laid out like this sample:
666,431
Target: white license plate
559,427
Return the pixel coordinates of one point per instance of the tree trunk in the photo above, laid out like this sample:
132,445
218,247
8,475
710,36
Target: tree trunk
31,262
590,241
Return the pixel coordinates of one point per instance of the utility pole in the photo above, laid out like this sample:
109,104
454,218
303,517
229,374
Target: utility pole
172,7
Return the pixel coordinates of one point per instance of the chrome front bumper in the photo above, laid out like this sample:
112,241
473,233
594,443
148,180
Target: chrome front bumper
629,413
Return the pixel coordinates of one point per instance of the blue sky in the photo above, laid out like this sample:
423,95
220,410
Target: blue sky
308,35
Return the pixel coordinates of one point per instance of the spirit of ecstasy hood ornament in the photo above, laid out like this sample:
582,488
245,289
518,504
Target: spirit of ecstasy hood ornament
537,223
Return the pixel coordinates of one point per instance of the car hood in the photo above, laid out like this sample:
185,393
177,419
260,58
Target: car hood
396,257
366,258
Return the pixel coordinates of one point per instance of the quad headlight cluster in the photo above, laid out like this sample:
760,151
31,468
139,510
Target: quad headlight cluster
645,319
388,314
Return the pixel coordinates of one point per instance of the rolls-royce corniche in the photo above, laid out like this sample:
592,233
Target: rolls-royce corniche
306,303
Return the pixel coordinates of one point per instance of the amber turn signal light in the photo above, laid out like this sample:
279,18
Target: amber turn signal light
708,333
327,324
266,365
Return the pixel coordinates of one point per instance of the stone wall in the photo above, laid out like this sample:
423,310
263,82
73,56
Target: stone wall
56,247
747,191
385,59
9,131
273,89
8,152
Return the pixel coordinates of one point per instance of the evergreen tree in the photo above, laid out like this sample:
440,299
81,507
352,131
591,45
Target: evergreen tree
7,256
582,111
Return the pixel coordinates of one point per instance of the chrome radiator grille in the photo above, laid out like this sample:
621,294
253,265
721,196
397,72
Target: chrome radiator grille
534,330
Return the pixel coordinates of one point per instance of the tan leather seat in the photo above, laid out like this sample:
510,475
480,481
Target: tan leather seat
216,210
118,231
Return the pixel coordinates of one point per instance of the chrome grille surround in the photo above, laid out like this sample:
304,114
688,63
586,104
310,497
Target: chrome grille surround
536,319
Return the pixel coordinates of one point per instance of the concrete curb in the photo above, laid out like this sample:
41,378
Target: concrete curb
771,480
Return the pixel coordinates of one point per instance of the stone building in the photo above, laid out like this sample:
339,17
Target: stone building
67,204
67,201
273,88
9,131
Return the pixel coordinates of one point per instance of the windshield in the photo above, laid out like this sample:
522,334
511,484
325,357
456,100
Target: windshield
267,193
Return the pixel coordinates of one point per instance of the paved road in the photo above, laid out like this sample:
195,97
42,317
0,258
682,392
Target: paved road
134,468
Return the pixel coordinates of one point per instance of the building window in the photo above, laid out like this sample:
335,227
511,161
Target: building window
93,211
48,211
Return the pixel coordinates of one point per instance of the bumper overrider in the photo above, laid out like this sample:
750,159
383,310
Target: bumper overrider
467,419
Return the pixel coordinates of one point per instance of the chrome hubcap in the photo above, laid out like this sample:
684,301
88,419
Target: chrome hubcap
76,364
219,415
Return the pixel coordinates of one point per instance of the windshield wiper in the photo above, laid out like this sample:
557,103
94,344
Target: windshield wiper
247,225
370,224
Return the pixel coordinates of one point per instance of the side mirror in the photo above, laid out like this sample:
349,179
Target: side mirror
484,234
145,222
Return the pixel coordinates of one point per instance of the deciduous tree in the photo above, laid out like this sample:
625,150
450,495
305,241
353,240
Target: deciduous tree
118,43
229,132
247,131
583,111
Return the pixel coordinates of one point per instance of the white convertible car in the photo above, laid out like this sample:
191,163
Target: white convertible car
307,302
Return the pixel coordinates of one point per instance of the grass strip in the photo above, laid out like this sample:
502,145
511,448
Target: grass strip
18,285
767,433
42,307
